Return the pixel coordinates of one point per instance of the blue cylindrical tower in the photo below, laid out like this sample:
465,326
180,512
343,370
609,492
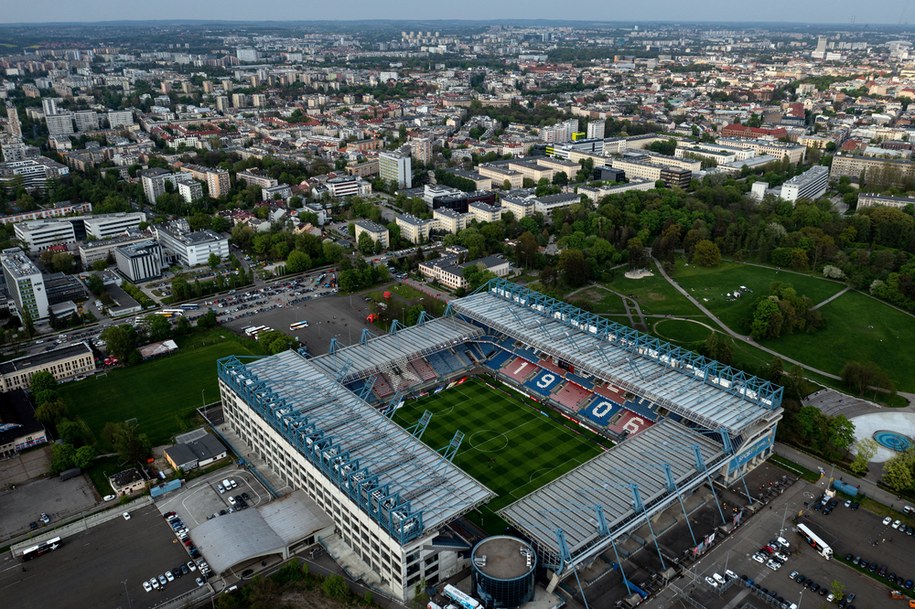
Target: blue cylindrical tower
503,571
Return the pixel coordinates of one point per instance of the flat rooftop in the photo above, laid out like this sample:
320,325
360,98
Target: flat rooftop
42,359
505,558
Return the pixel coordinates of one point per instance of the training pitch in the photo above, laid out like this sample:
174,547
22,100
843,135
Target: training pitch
509,446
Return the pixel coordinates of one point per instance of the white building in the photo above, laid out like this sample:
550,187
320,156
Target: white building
190,189
59,124
413,229
376,232
154,180
139,261
191,248
35,173
106,226
396,167
39,235
24,284
811,184
449,220
86,120
120,118
348,186
873,200
483,212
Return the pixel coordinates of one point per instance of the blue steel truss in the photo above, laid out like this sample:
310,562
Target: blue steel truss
358,482
731,380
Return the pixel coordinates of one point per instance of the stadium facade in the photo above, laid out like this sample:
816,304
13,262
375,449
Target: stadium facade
323,425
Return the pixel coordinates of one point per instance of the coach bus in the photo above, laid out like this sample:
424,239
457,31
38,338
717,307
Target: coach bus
190,306
298,325
42,548
814,541
253,330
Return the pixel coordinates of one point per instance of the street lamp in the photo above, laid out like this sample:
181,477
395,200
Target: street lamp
129,604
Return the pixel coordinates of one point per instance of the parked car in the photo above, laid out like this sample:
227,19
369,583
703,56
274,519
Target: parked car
711,582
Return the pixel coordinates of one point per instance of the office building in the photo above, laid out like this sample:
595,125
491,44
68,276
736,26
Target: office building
106,226
190,248
811,184
885,172
59,124
396,167
58,210
348,186
63,363
139,261
34,173
281,192
120,118
413,229
62,288
874,200
12,121
24,284
93,251
376,232
86,120
39,235
17,150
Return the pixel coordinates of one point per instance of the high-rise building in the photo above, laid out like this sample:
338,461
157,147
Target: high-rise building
140,261
153,181
49,105
24,284
120,118
396,167
820,51
222,103
248,55
811,184
12,118
86,120
59,124
239,100
421,148
259,100
596,130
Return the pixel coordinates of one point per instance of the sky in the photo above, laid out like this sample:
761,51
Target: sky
796,11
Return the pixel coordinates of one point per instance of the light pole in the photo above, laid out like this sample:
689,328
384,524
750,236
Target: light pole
784,514
129,604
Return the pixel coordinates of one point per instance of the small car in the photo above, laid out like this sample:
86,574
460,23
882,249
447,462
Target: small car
169,576
760,558
887,521
162,581
109,497
711,582
147,586
718,578
126,515
154,583
896,524
199,581
191,565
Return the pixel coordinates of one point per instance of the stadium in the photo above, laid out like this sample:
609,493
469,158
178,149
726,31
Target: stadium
508,371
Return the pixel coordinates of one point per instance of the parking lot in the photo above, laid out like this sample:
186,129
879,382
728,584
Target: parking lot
100,568
845,530
56,497
200,499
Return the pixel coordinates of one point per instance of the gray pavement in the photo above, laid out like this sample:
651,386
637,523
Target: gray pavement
24,467
59,499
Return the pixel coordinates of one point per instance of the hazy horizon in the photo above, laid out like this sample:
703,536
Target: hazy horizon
819,12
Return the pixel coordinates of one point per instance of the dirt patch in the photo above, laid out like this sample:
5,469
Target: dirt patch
638,274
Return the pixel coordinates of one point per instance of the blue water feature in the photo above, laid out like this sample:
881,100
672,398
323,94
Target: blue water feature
892,440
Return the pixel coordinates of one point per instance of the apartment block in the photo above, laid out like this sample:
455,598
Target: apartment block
413,229
376,232
24,284
396,167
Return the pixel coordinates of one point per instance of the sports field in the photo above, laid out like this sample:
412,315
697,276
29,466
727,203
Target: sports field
161,394
508,445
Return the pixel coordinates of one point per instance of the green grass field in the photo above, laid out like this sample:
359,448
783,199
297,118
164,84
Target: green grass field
161,394
709,286
654,295
508,446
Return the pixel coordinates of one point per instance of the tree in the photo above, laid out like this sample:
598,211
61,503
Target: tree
335,587
860,376
718,347
574,267
526,249
366,244
276,342
837,588
121,340
51,412
83,456
62,457
73,432
865,449
208,319
767,320
159,327
897,472
213,260
840,434
127,440
297,262
42,381
706,253
476,276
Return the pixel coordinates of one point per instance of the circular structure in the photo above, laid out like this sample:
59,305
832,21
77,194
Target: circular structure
892,440
503,571
495,441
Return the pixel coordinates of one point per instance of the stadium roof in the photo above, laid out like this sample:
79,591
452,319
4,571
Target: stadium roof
702,390
568,502
407,343
307,400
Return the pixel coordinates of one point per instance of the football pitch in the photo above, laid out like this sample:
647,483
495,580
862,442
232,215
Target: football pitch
508,445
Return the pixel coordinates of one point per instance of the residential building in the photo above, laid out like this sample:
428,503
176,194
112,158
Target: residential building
636,167
190,189
17,150
421,150
39,235
499,175
546,205
596,130
59,124
376,232
86,120
480,182
282,192
874,200
24,284
57,210
483,212
217,180
364,169
63,362
105,226
449,220
222,103
253,177
872,170
120,118
413,229
347,186
742,131
139,261
12,121
529,169
191,248
560,132
396,167
519,207
559,165
154,180
239,100
596,193
811,184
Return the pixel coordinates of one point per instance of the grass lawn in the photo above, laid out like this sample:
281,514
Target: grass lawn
161,394
598,301
508,446
680,331
710,285
858,328
654,294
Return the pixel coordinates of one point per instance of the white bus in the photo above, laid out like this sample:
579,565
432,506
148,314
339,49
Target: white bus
814,541
298,325
251,331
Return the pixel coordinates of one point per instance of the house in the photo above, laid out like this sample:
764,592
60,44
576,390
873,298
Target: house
127,482
200,450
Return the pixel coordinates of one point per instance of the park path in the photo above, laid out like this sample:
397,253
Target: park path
630,304
833,297
746,339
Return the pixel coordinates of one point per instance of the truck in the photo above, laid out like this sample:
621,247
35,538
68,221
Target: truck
73,472
844,487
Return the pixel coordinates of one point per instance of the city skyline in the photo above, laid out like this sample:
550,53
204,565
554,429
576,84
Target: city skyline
886,12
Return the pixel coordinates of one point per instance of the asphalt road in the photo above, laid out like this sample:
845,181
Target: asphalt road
99,568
